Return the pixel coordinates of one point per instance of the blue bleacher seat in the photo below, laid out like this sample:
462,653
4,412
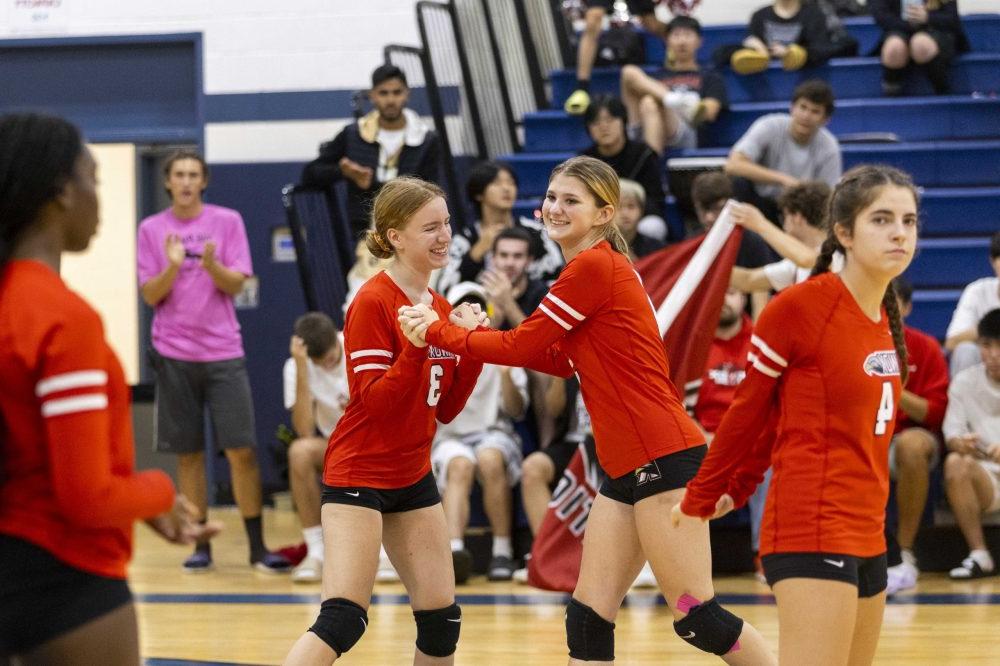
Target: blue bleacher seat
911,119
932,310
949,262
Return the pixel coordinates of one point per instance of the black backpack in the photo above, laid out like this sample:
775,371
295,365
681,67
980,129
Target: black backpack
620,45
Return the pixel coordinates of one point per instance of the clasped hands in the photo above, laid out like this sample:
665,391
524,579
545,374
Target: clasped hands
416,319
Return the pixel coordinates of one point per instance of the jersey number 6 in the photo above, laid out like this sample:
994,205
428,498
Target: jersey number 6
434,391
886,409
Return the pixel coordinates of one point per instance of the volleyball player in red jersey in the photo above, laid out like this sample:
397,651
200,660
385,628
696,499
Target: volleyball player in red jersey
68,490
377,480
828,360
598,321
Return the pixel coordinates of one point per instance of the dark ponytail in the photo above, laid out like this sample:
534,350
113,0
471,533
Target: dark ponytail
891,304
38,156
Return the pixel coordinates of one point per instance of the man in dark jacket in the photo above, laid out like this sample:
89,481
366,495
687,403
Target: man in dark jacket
389,141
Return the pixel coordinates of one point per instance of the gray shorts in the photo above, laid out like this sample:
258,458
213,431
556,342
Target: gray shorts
185,388
685,138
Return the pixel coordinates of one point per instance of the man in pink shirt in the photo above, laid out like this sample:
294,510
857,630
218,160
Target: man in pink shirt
193,259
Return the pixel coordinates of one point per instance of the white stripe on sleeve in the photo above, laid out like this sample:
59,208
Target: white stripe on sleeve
555,318
71,380
768,352
371,366
759,364
562,304
77,403
371,352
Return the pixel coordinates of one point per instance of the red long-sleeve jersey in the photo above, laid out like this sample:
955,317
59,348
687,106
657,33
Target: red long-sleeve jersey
928,379
67,457
826,378
598,321
397,394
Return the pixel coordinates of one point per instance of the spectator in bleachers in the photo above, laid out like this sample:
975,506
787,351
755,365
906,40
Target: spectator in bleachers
708,398
710,191
803,219
671,104
606,124
594,15
512,292
315,390
915,449
977,299
780,150
492,190
927,32
793,32
480,443
193,259
631,203
390,141
972,434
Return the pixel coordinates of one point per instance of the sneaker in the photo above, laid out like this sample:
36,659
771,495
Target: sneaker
968,570
902,576
272,563
520,576
309,570
577,103
795,58
684,103
199,562
501,568
462,561
386,572
758,570
645,579
749,61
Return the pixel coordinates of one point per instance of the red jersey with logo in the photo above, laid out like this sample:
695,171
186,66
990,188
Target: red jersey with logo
829,376
398,393
928,379
711,396
598,321
67,457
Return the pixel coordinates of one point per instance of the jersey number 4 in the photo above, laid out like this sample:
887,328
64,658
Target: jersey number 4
434,391
886,409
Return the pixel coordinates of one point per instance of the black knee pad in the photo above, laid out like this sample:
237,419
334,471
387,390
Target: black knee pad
710,627
437,630
590,637
340,624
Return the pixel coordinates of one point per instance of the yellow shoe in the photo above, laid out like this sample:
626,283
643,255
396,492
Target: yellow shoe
795,58
749,61
577,103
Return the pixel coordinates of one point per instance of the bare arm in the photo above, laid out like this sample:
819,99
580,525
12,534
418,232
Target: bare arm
914,406
749,280
303,412
742,166
959,338
789,247
226,279
156,289
512,399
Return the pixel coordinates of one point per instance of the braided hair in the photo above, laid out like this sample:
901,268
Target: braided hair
856,190
38,156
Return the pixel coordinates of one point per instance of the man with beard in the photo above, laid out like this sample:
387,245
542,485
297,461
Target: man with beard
389,141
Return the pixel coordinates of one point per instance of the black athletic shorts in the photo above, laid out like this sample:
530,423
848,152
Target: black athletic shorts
42,598
421,494
944,40
185,388
635,7
668,472
868,574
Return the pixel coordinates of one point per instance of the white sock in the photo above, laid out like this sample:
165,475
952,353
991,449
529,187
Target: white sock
314,541
908,557
457,544
502,547
984,558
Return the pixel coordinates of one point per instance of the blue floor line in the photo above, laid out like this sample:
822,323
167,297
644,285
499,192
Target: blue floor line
153,661
542,599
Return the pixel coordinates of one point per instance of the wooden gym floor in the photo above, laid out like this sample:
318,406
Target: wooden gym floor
236,616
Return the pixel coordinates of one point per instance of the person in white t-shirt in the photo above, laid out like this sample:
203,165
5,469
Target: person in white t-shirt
803,212
316,393
972,433
977,299
480,443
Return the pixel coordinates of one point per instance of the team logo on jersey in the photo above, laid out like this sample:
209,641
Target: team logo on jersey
437,352
882,364
648,472
727,374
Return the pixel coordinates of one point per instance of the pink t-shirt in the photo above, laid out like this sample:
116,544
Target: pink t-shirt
196,321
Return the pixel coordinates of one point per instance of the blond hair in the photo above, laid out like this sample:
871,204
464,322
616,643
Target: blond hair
393,207
603,184
632,190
